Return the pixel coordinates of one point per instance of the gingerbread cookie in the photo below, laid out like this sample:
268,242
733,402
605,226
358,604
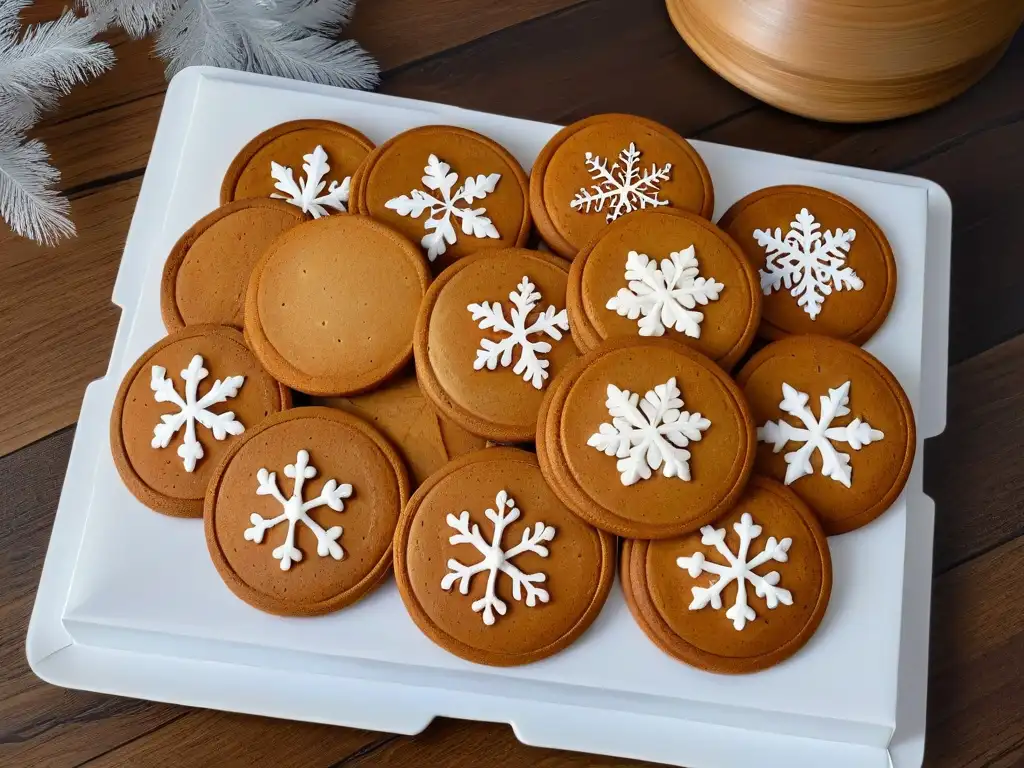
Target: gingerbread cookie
180,408
207,271
665,272
833,424
595,171
307,163
493,567
425,439
331,305
825,267
645,438
449,189
491,334
742,594
300,516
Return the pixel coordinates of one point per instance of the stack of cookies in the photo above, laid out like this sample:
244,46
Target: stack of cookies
505,388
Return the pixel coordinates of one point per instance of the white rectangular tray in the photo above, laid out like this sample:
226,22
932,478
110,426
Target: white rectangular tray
130,604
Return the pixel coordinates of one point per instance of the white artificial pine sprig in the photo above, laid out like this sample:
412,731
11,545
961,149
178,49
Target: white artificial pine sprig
37,67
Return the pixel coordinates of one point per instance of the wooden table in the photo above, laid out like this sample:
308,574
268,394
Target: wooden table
551,60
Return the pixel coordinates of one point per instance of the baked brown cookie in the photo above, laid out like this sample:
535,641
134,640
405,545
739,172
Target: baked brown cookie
596,170
617,446
825,267
452,190
425,439
331,304
208,269
491,334
741,594
833,424
307,163
300,515
664,272
180,408
493,567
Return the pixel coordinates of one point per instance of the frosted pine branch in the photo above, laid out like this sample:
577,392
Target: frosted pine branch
29,200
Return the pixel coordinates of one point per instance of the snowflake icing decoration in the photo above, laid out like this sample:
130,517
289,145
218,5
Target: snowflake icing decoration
739,569
530,365
808,262
648,434
665,297
440,229
306,194
295,510
193,409
818,434
624,187
495,559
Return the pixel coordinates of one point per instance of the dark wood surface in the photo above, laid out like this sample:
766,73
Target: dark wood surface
552,60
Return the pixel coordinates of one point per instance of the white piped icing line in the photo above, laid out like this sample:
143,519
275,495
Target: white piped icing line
624,187
307,193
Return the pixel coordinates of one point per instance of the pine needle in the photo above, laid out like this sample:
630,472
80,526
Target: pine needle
29,200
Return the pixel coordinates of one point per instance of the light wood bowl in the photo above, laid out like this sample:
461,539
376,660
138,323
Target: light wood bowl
849,60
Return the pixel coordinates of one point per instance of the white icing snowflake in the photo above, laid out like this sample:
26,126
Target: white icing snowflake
306,194
817,434
739,569
666,297
624,186
651,436
295,510
193,409
440,229
495,559
807,262
530,365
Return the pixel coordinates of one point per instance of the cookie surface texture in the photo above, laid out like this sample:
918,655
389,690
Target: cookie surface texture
597,170
744,593
493,568
824,266
331,304
180,408
833,424
300,517
670,273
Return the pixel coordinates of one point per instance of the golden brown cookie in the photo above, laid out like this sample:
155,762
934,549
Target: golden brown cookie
300,516
208,269
491,334
645,438
493,567
849,289
596,170
308,163
180,408
425,439
665,272
452,190
833,424
741,594
331,304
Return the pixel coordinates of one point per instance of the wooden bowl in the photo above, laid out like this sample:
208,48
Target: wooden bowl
849,60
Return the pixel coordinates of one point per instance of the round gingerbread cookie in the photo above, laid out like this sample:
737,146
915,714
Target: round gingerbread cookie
307,163
599,169
665,272
331,304
742,594
180,408
825,267
425,439
834,424
300,515
645,438
491,334
207,271
452,190
493,567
